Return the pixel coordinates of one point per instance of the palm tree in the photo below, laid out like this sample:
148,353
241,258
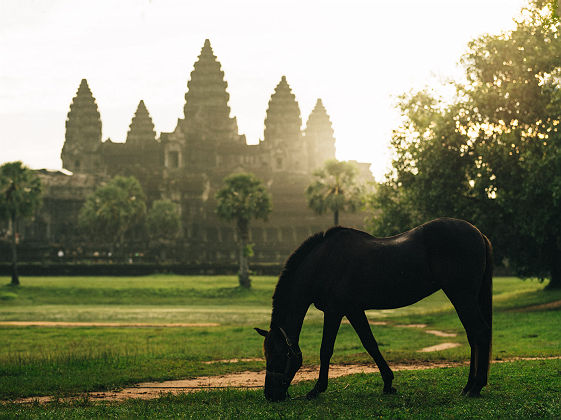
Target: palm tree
20,196
335,189
243,198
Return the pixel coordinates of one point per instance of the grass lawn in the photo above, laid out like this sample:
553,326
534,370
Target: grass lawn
60,361
519,390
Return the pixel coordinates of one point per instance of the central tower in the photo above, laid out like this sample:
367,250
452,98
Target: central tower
206,110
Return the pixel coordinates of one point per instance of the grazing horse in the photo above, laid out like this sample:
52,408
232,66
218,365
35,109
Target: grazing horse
344,272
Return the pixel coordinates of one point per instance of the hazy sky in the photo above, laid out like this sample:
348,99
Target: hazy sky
355,55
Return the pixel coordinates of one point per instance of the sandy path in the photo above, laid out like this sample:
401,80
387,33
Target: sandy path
103,324
439,347
247,379
544,306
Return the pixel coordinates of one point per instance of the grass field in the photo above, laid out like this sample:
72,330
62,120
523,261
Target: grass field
61,361
520,390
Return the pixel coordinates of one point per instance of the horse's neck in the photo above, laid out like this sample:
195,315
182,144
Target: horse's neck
293,322
293,313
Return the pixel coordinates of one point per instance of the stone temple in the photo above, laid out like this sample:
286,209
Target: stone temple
188,165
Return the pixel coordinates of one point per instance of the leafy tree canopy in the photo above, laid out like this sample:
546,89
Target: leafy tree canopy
493,155
243,198
20,191
335,189
114,210
20,197
163,220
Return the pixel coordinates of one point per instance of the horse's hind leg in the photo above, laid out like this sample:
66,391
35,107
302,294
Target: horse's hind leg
331,323
479,338
360,323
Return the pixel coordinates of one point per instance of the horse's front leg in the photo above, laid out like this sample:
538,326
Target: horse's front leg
360,324
331,323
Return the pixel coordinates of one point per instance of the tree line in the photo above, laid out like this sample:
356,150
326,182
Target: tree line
116,213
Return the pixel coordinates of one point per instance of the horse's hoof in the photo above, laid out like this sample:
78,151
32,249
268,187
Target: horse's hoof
472,393
312,395
390,390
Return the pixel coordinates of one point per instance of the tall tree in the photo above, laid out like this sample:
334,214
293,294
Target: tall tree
20,196
493,155
242,198
114,211
335,189
164,224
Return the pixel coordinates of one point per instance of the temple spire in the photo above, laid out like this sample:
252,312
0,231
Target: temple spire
283,121
83,133
207,114
141,130
319,136
283,135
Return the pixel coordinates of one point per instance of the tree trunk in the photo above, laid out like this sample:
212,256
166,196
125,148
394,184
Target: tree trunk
336,218
555,281
122,248
15,276
243,238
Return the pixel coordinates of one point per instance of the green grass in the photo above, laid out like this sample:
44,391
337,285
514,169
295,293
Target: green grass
46,361
146,290
519,390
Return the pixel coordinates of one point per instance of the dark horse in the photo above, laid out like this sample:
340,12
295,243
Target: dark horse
344,272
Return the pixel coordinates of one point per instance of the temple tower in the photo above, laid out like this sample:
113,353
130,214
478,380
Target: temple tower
207,126
141,130
80,153
319,137
207,114
283,135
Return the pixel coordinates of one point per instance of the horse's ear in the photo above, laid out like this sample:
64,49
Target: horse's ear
261,332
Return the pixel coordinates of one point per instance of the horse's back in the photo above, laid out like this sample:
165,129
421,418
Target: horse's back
355,268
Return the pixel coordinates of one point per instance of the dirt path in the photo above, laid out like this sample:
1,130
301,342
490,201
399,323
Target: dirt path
247,379
103,324
542,307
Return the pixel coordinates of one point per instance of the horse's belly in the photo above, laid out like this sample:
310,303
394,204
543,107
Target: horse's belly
393,293
395,300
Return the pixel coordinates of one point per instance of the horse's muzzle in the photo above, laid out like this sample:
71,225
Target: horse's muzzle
276,387
276,396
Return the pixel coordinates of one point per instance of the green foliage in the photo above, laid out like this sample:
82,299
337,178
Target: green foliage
114,210
242,198
20,197
493,155
163,221
335,189
20,191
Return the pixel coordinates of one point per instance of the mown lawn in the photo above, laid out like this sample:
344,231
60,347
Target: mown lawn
518,390
61,361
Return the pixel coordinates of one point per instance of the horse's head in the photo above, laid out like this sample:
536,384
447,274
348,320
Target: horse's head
283,358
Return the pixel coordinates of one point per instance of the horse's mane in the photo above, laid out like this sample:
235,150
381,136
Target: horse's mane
281,290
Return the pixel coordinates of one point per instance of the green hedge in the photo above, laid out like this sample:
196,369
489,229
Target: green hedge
135,269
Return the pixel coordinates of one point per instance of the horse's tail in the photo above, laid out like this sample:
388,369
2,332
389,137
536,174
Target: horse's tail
486,294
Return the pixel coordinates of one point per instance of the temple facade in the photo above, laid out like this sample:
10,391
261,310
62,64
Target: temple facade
188,164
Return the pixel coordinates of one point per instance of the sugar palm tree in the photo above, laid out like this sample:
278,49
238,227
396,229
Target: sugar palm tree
335,189
243,198
20,196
